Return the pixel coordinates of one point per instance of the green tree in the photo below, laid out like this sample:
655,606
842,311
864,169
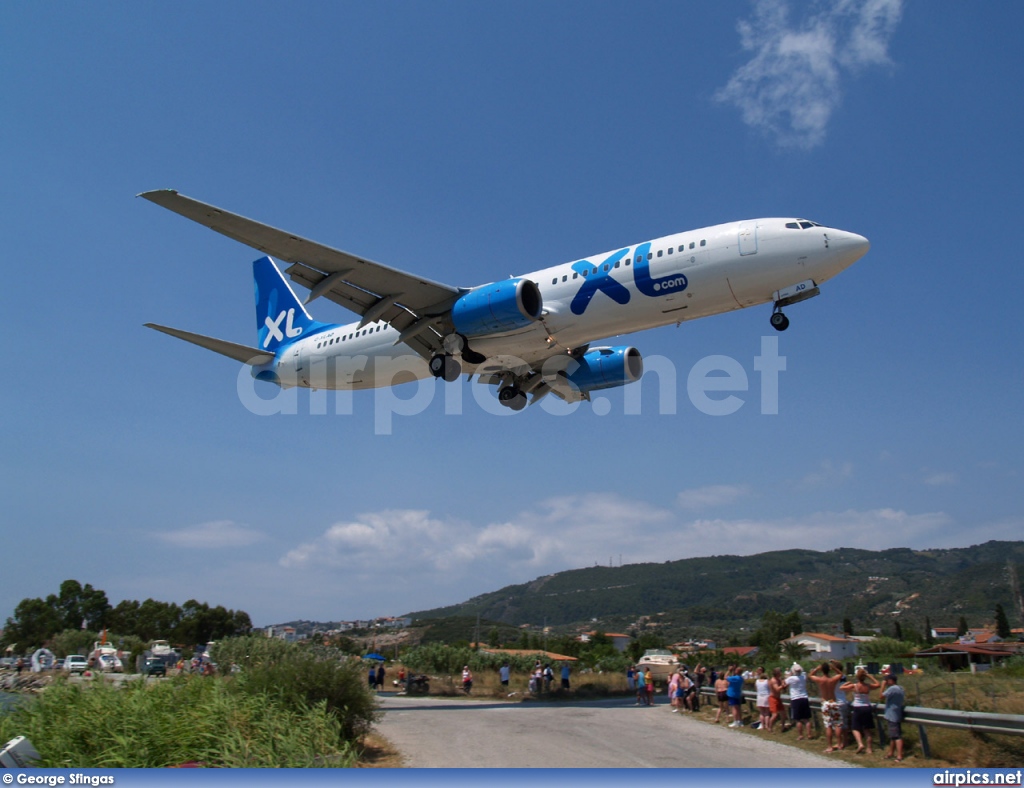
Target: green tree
928,639
775,627
897,630
961,627
1002,623
795,651
34,622
847,626
493,638
638,646
82,606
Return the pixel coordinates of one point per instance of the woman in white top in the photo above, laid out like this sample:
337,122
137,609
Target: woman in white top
761,685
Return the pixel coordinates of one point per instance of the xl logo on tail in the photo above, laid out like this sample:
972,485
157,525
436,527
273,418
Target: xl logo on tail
274,328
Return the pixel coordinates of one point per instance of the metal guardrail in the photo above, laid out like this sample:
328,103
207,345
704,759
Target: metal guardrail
975,721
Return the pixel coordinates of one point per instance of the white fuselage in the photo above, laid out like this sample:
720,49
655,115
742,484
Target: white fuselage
666,280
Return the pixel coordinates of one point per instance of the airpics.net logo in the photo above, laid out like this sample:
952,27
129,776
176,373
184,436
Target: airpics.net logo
715,385
958,777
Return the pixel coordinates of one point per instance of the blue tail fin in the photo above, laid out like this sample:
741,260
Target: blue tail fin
280,316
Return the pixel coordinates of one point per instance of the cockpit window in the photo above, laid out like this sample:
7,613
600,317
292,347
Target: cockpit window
803,224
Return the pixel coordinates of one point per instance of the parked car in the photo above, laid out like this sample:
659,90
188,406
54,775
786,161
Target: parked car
76,663
154,667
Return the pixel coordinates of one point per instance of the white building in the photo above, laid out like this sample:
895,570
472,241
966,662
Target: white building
824,647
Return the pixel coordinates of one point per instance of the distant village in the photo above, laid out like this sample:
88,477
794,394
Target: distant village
302,630
976,650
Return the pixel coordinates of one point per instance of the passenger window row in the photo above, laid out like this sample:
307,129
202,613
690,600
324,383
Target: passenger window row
650,256
344,338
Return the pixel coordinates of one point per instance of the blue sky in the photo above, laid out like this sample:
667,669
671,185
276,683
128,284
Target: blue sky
466,142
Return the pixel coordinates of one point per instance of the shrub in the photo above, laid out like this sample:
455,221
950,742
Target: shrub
302,675
171,722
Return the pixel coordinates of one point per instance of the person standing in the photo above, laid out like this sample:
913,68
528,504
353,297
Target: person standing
734,695
649,679
860,713
775,705
630,679
565,675
721,694
763,694
674,690
830,711
503,673
467,679
799,702
380,677
641,687
895,700
371,677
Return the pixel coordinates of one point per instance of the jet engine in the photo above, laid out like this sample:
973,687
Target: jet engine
606,367
497,307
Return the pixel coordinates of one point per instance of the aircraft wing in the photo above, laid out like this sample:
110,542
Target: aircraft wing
369,289
247,355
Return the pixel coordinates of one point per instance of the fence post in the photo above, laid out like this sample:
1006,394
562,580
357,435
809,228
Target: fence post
922,734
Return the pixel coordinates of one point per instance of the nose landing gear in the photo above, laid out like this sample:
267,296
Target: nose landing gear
791,295
778,320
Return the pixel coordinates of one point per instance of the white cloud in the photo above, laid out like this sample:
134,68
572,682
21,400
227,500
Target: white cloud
416,560
215,534
940,479
828,474
712,495
792,84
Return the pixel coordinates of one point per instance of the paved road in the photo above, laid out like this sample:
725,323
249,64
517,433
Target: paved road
440,732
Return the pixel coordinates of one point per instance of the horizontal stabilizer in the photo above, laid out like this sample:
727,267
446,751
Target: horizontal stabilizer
247,355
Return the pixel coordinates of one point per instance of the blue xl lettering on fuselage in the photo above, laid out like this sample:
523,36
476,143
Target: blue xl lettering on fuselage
600,278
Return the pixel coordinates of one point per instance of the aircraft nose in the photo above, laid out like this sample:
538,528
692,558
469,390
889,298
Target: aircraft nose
850,247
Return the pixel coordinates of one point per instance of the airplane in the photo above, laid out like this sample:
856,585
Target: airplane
529,335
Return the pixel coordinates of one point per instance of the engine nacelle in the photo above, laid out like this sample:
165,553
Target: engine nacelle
497,307
607,367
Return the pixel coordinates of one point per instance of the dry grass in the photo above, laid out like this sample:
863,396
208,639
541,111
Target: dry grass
376,752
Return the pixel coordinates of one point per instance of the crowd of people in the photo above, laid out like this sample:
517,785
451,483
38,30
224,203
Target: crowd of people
842,715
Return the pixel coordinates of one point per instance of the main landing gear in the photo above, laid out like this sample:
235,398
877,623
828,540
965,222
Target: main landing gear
512,396
446,367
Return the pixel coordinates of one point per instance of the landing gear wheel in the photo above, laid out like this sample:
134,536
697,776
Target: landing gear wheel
445,367
779,321
452,369
512,397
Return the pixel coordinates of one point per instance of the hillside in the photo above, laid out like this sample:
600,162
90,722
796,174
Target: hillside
871,588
